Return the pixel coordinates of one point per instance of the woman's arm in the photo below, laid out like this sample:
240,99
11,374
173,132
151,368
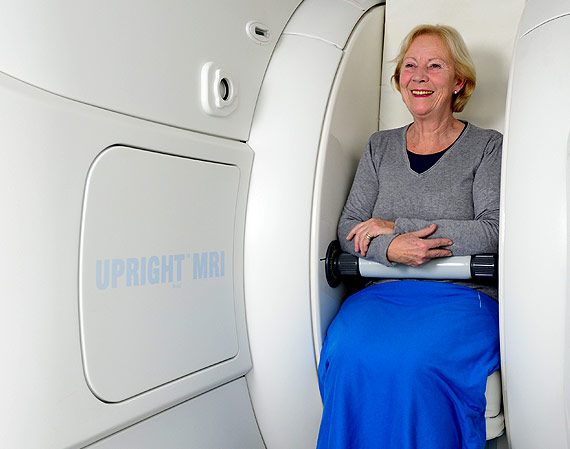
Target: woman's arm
357,214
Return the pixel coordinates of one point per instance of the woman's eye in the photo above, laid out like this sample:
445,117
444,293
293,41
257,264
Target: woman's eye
409,65
435,66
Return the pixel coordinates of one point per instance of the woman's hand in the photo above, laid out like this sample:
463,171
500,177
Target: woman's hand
414,248
364,232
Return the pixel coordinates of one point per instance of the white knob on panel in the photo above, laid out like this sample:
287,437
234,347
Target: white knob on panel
219,91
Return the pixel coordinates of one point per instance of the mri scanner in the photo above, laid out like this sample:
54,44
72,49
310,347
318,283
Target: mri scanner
172,175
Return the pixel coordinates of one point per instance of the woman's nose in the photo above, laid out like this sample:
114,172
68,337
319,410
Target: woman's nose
420,74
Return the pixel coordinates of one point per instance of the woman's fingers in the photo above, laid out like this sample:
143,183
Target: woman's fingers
435,253
355,230
437,243
414,250
364,244
425,232
364,232
362,241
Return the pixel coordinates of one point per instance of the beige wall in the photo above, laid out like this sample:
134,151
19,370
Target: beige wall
488,27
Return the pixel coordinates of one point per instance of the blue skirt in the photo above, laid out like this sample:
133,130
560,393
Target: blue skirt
405,364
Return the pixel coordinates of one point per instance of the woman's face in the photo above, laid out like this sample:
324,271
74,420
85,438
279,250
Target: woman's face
427,78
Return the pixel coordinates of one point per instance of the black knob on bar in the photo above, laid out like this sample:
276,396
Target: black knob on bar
484,266
339,264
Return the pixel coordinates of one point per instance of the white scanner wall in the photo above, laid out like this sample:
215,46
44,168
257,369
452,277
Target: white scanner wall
535,323
122,282
325,70
146,59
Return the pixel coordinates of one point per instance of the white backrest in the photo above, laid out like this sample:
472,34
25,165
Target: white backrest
488,28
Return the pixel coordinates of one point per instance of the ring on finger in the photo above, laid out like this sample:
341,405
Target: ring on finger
368,236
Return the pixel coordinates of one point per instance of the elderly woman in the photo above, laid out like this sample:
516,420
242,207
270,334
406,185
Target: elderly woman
405,363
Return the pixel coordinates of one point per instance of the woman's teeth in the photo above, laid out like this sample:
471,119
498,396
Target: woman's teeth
422,92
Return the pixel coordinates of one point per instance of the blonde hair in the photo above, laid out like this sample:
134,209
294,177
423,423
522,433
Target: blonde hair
464,67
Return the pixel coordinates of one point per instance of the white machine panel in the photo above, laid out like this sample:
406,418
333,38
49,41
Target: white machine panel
49,150
146,58
345,133
533,272
308,77
321,20
156,278
538,13
196,424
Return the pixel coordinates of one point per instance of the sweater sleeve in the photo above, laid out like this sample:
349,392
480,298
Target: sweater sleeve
481,234
359,207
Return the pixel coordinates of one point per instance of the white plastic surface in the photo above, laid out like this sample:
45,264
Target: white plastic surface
48,146
489,29
258,32
143,58
221,418
367,4
457,267
346,130
537,13
285,138
286,135
156,274
328,20
534,296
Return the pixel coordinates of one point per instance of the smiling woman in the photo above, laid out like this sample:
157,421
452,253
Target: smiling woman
428,80
405,362
446,43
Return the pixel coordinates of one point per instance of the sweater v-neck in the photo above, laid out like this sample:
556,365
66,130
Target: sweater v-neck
442,153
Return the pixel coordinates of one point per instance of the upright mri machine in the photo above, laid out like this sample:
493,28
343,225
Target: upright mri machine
172,175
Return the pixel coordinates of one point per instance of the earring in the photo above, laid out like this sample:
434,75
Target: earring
454,92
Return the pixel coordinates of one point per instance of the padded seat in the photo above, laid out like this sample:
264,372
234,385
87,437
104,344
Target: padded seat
494,418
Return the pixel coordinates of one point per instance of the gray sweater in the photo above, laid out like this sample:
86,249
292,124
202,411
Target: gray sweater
460,193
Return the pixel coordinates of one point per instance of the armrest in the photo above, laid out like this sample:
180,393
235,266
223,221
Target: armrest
339,264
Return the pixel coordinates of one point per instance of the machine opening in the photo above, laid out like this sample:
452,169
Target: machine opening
224,89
